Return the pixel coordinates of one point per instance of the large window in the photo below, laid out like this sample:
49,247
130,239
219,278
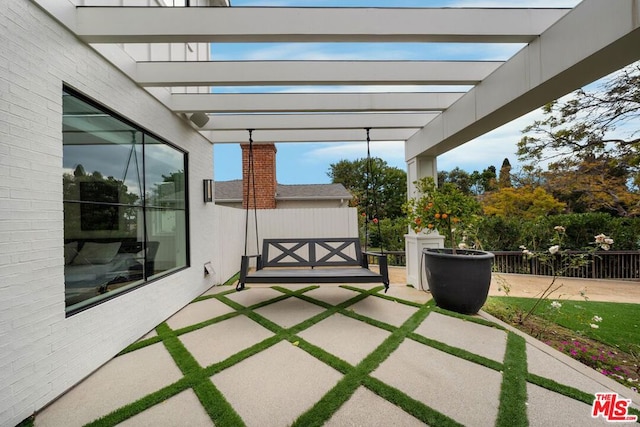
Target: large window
125,219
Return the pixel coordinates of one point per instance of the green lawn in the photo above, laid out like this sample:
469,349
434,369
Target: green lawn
620,325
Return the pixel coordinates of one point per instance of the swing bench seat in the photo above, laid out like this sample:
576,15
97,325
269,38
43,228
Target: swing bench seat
313,260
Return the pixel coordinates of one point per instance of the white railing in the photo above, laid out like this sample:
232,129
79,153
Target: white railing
273,223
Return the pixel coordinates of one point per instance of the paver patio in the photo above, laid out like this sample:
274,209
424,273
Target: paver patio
329,355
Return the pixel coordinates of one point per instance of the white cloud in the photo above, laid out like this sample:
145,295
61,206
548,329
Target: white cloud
372,89
339,89
471,51
478,154
491,148
391,151
319,52
293,52
365,51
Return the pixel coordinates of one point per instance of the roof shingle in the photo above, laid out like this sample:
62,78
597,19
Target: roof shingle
231,191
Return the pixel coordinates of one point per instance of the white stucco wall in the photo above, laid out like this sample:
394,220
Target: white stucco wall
273,223
42,353
312,204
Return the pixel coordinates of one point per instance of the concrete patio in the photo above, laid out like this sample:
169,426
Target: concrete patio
330,355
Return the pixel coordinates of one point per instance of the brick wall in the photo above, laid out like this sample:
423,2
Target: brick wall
264,167
42,352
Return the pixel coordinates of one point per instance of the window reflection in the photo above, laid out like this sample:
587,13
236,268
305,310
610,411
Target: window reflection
124,204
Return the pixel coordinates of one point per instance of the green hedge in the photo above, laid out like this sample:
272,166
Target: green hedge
392,230
507,234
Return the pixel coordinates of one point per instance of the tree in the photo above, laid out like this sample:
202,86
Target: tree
391,235
458,177
488,179
387,185
101,203
592,125
475,183
529,174
524,202
504,180
597,184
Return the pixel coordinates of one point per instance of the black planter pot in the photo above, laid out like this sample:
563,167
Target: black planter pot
458,282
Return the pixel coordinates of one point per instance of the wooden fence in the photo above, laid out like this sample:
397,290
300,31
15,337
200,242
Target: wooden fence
602,265
623,265
395,258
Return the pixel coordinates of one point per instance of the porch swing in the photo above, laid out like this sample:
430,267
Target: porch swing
310,260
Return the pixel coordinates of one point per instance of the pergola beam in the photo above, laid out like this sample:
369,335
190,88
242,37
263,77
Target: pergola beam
318,121
581,48
312,102
272,24
292,73
308,135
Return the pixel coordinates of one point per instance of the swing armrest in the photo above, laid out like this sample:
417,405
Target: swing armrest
365,259
244,266
382,263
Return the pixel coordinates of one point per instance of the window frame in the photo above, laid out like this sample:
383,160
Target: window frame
144,207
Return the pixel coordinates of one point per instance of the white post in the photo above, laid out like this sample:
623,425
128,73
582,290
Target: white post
414,244
419,167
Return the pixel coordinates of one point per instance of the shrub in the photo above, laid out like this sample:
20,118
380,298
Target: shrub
507,234
392,231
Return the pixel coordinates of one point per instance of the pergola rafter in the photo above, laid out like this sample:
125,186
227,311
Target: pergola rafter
294,73
312,102
388,120
309,135
563,49
294,25
290,25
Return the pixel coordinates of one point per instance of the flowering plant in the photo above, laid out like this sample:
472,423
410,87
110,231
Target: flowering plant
560,260
564,260
445,209
600,359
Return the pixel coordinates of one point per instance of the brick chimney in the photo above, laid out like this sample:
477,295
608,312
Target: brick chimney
264,169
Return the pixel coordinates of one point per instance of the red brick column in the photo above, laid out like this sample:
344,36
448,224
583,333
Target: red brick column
264,169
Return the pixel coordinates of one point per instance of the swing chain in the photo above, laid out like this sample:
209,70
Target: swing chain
371,202
251,179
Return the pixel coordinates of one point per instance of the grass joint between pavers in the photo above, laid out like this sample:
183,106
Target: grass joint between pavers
512,411
514,368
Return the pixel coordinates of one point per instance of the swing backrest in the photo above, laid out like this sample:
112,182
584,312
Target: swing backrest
311,252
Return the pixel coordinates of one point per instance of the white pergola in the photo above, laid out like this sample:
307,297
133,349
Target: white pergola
563,49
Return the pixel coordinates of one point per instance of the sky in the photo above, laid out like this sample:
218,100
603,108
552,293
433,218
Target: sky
308,163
